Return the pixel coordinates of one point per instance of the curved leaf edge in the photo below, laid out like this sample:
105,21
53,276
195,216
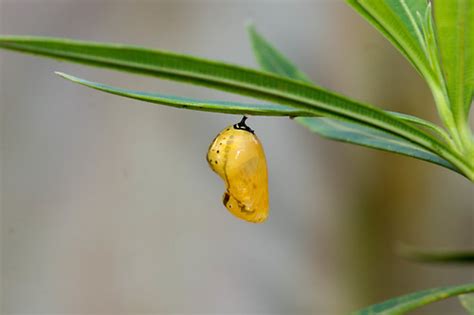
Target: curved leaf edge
399,145
226,107
409,302
370,138
234,79
272,60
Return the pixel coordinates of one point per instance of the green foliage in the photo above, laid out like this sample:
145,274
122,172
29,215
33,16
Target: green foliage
397,21
455,26
194,104
358,134
407,24
406,303
330,128
445,61
440,49
271,60
438,256
314,100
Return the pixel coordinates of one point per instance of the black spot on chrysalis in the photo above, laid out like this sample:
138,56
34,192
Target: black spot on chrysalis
226,198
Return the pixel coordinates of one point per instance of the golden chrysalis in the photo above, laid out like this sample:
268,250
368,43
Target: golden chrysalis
237,156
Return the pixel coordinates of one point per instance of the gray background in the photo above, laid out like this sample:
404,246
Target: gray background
108,205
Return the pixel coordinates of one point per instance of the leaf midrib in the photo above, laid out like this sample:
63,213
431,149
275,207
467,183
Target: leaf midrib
460,86
246,81
310,102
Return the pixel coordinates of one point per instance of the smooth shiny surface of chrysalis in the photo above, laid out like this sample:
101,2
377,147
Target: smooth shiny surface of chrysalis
237,156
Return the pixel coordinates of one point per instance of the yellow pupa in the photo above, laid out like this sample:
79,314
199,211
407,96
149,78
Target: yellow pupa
237,156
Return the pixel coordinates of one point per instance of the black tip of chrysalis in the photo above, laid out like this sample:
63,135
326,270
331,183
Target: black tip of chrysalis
243,126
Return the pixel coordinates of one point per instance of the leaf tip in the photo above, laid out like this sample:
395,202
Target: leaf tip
61,74
66,76
250,26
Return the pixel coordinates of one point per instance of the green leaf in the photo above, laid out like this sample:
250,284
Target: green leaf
408,25
369,137
455,28
397,21
433,128
440,256
193,104
467,300
403,304
233,79
364,13
270,59
377,139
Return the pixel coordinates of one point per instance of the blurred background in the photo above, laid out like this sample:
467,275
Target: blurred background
108,204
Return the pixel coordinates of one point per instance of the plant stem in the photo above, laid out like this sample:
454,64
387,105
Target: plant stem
442,104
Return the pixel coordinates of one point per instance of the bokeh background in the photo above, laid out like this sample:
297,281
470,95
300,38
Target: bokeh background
108,205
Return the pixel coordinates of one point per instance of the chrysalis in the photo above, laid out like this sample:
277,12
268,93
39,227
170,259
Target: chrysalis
237,156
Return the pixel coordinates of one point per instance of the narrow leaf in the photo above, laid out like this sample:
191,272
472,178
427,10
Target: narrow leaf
455,28
467,300
330,128
193,104
369,137
397,21
433,128
366,15
440,256
233,79
270,59
403,304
